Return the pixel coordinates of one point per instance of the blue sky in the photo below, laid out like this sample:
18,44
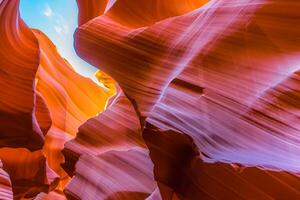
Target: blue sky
58,20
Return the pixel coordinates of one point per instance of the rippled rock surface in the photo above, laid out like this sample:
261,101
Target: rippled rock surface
200,100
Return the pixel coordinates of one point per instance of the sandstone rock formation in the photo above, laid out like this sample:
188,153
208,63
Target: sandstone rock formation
18,71
38,121
201,101
209,86
5,185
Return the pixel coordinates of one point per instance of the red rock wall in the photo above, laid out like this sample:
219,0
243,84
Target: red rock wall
215,85
201,102
17,101
44,102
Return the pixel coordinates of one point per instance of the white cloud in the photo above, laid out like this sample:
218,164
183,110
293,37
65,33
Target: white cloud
66,28
62,29
48,12
58,30
57,21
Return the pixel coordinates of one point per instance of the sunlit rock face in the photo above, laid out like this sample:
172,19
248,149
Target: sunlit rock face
44,102
201,101
216,91
66,94
18,69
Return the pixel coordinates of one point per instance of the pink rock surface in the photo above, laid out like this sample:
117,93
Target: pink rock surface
67,95
113,175
17,100
43,103
206,103
5,185
219,81
120,130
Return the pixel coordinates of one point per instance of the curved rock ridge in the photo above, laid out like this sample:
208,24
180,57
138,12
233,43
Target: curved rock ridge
5,185
120,130
186,176
29,172
134,14
217,89
43,103
65,92
24,115
42,113
113,175
90,9
201,101
194,68
220,89
108,43
19,61
67,95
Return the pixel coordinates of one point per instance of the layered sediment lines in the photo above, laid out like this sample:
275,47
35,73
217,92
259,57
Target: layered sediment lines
67,95
18,69
43,103
24,116
5,185
216,90
121,134
201,101
113,175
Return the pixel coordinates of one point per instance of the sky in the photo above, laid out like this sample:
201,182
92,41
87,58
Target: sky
58,20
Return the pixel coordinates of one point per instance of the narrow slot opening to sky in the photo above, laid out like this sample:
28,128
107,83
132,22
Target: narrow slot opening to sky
58,20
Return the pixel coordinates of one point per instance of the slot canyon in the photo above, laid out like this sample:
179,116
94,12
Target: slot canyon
190,100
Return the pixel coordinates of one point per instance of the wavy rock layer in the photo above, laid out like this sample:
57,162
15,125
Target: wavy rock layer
24,115
120,130
5,185
108,43
29,172
44,102
216,89
122,134
205,106
113,175
17,101
67,95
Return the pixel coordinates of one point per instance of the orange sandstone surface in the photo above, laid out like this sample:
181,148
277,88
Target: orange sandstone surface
198,100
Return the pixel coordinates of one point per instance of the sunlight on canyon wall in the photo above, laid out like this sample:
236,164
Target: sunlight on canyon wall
199,100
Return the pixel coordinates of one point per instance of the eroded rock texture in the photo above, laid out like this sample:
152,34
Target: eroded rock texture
44,103
5,185
215,85
113,175
201,101
18,71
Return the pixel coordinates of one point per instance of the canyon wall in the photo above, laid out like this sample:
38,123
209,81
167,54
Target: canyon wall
200,100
